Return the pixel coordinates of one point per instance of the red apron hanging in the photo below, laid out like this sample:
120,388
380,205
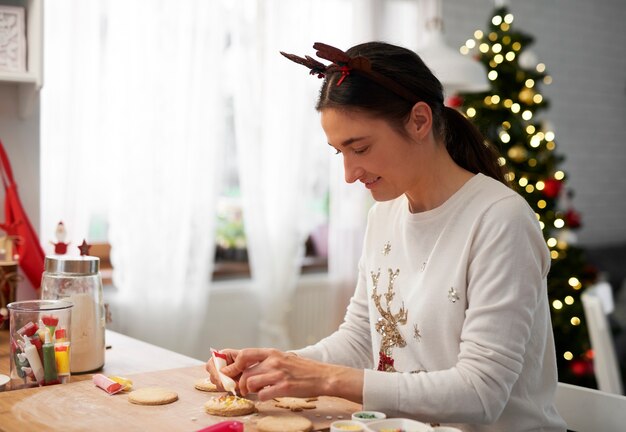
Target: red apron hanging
17,225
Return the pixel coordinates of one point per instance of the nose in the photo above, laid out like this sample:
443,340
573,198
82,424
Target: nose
352,171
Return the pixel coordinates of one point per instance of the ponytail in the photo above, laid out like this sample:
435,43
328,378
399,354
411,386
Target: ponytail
468,148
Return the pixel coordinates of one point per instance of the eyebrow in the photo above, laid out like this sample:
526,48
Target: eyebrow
350,141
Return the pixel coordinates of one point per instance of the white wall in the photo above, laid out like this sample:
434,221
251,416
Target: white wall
21,141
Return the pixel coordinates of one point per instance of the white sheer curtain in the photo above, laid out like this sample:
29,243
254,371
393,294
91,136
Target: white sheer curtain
139,131
132,128
281,145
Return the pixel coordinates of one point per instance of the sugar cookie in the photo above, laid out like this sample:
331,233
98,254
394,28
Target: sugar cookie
287,423
206,385
152,396
295,404
229,406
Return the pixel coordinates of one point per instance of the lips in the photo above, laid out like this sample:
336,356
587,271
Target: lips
371,182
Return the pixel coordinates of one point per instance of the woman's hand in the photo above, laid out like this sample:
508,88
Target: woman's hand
271,373
230,354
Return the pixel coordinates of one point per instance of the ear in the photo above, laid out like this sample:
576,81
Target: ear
421,120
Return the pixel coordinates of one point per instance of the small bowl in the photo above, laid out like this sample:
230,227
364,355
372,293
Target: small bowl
347,425
405,424
368,416
4,379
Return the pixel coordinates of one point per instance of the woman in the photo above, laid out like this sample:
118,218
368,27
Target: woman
450,321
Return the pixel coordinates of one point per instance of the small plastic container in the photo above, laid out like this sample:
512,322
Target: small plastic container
403,424
347,425
368,416
39,342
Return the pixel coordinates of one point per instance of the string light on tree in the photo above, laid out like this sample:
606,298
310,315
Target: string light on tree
507,114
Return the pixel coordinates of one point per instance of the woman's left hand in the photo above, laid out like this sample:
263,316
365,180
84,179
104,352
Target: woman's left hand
271,373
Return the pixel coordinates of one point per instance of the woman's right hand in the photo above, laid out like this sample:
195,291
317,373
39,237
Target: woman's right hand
231,355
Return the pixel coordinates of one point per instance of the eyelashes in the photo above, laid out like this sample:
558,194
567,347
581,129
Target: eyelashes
355,151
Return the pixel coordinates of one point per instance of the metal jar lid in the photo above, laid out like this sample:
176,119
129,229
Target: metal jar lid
84,265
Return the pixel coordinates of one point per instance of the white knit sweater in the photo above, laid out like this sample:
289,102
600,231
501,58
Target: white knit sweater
478,345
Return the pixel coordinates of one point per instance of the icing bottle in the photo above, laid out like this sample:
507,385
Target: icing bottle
33,360
49,362
78,280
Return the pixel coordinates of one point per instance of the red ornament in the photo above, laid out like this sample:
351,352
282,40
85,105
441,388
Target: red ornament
84,248
454,101
60,248
552,188
573,218
581,367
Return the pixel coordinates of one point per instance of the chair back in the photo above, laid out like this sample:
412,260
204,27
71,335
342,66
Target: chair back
590,410
605,364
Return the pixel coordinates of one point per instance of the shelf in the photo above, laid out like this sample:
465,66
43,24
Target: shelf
29,83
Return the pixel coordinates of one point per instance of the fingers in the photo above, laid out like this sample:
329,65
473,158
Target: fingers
246,358
212,370
255,380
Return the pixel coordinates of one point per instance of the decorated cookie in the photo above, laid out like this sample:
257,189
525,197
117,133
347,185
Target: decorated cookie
286,423
229,406
206,385
152,396
295,404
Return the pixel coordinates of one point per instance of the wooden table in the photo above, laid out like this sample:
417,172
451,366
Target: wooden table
80,406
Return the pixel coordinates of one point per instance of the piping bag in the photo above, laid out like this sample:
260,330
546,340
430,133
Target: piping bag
225,426
219,360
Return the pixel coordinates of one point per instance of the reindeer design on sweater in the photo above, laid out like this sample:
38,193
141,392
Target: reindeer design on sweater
387,324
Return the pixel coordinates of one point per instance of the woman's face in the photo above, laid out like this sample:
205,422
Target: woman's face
386,162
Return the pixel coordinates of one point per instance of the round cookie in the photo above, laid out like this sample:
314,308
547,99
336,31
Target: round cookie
152,396
229,406
206,385
288,423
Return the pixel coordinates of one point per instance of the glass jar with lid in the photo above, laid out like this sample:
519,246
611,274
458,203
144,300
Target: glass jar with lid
78,280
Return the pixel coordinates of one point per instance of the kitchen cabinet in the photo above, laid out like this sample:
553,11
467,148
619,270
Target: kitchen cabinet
29,82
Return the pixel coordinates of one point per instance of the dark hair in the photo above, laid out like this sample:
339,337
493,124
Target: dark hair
464,142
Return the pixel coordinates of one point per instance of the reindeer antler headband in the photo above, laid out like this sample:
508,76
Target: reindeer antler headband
342,62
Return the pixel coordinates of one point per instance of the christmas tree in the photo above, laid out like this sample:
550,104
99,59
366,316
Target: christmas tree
507,116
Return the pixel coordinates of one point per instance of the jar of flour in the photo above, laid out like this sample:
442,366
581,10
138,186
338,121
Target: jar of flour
78,280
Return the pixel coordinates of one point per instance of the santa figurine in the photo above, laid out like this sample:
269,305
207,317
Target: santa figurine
60,247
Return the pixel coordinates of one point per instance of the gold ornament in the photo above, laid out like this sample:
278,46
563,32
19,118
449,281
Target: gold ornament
526,95
517,153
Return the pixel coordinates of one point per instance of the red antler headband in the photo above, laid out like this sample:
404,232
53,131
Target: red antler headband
343,63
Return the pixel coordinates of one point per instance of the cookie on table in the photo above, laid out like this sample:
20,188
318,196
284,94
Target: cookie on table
229,406
295,404
152,396
287,423
205,384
